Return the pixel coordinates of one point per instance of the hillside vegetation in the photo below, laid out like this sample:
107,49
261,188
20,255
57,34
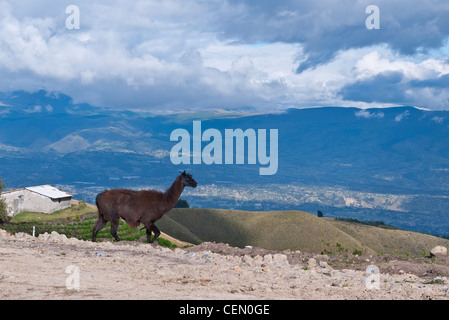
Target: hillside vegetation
274,230
78,222
294,230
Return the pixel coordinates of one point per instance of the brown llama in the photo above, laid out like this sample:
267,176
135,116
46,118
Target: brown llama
137,207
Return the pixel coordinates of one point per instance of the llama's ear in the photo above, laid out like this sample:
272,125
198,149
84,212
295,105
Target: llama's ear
184,173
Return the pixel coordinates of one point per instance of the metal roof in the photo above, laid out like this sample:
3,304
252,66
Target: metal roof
49,191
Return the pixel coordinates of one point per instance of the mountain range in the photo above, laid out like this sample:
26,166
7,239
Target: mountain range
389,164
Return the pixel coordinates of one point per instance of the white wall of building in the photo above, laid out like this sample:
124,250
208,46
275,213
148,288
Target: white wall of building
24,200
14,201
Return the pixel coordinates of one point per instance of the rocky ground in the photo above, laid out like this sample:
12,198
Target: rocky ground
54,267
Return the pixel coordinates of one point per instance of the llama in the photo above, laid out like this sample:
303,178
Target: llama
137,207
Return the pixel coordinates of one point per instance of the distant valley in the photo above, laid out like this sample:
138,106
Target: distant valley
377,164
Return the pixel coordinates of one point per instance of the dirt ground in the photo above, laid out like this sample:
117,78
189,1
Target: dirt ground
54,267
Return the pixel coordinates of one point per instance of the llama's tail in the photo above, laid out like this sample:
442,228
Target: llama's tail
98,203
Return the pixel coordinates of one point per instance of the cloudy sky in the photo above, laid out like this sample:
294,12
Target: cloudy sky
262,55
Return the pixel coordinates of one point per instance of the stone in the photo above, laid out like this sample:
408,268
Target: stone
312,263
178,251
43,236
4,233
438,251
22,236
280,259
247,259
325,265
54,236
268,258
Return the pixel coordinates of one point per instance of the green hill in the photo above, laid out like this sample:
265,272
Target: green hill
277,230
294,230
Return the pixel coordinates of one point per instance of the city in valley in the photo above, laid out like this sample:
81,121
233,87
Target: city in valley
417,212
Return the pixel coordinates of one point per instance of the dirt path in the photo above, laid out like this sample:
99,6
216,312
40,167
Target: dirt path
35,268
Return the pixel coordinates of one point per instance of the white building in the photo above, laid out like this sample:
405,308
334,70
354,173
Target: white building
43,199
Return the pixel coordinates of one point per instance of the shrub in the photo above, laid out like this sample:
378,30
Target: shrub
181,204
81,206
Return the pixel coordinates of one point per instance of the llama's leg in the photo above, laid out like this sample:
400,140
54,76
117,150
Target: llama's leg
156,233
98,226
114,226
148,235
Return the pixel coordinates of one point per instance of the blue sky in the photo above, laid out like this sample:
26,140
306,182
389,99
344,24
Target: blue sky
174,55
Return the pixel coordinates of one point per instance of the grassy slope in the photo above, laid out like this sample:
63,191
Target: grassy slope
391,241
293,230
279,230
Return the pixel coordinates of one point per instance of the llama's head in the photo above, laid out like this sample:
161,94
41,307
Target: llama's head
187,180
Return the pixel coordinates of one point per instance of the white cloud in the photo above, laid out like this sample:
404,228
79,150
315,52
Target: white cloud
402,116
438,120
368,115
372,64
34,109
178,55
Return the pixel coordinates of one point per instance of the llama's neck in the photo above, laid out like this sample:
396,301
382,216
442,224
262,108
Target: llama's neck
173,193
